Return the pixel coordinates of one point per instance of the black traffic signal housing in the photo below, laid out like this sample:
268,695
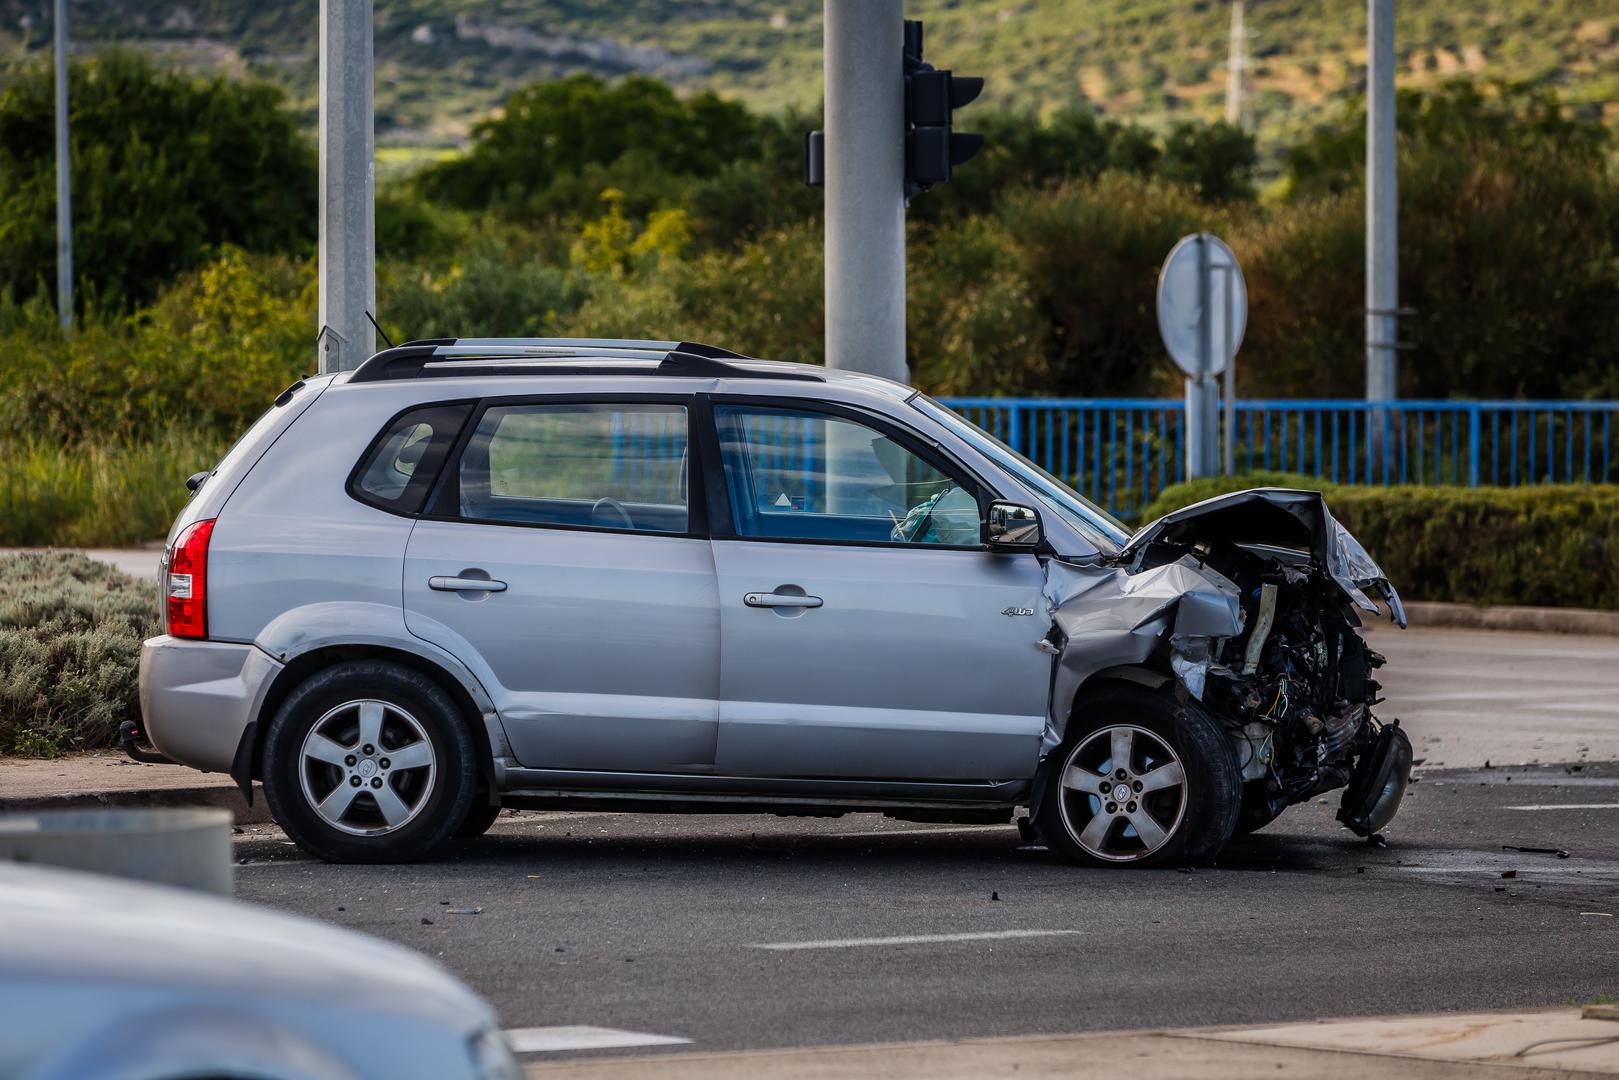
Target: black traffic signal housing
932,147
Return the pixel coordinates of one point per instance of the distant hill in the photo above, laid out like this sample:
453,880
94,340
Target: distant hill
442,64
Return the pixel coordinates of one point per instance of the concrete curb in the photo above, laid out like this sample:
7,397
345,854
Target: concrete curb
225,798
1543,620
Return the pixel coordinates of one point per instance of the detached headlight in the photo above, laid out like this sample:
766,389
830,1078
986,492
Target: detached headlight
491,1057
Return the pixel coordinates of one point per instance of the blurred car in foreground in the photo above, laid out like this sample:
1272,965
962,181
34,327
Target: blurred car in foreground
102,978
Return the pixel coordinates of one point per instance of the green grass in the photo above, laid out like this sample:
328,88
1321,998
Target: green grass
97,494
1151,60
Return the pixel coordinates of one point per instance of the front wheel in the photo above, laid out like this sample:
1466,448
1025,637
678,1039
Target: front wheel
1141,780
368,761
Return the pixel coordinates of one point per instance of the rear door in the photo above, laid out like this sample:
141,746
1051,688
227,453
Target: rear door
562,561
865,632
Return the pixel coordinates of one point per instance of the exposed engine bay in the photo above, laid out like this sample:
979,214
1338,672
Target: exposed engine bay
1251,601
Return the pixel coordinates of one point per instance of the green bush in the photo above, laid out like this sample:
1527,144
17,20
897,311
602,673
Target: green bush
70,637
1547,546
207,357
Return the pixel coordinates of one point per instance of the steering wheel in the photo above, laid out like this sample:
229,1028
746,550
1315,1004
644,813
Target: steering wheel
607,506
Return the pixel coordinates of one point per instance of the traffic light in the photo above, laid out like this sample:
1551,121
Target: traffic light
932,148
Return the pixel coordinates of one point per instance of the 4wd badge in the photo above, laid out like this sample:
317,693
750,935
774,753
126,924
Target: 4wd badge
1018,611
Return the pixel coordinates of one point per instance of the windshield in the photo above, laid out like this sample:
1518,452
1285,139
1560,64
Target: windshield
1091,521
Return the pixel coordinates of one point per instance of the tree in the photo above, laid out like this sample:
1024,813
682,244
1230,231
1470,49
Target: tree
166,168
557,145
1509,236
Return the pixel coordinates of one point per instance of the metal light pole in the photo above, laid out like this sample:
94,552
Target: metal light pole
348,279
865,186
1236,68
64,188
1382,222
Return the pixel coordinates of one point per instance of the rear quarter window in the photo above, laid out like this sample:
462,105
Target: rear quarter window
398,470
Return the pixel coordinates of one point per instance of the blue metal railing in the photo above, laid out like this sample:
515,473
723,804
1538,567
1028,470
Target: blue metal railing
1121,452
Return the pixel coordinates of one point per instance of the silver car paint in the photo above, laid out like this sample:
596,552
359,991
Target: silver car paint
210,692
1107,618
908,670
105,978
602,652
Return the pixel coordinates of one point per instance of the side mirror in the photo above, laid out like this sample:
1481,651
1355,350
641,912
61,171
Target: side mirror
1011,526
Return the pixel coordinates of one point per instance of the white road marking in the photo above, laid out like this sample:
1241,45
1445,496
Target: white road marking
1569,806
550,1040
909,939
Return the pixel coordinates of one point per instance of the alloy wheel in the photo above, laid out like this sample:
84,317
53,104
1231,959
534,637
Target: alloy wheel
1123,793
367,767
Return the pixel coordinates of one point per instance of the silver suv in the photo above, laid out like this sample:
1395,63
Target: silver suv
661,576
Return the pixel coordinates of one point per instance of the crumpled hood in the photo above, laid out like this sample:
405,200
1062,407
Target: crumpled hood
1284,517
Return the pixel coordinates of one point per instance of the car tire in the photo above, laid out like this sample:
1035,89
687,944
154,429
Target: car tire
481,815
1173,801
369,762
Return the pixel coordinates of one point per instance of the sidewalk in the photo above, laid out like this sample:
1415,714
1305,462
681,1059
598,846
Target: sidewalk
86,781
1443,1047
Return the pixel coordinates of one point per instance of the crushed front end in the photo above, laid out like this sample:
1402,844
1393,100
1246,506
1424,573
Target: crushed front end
1258,622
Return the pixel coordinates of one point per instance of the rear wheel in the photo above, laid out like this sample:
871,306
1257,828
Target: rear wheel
368,761
1141,780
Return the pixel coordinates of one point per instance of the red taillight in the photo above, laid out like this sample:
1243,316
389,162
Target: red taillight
187,581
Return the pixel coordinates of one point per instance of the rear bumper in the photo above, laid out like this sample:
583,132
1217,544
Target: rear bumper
197,697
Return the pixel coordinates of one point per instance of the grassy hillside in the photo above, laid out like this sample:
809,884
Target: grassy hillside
444,63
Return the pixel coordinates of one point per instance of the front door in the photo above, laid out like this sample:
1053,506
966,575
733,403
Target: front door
560,565
865,632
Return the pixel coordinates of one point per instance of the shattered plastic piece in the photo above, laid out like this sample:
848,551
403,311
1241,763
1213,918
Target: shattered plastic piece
1509,873
464,911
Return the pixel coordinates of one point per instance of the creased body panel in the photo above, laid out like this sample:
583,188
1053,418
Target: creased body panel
1107,617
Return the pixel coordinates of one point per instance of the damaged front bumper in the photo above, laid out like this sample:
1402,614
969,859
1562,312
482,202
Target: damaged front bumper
1247,603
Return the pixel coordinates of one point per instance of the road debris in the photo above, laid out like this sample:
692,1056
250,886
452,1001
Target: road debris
1559,852
464,911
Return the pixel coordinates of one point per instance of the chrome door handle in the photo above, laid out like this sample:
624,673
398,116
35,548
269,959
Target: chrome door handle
771,599
465,584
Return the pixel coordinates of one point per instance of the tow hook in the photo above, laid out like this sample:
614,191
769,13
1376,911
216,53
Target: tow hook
135,744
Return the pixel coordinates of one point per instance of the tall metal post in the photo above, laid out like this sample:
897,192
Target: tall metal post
64,186
1382,221
1236,68
865,186
348,280
1228,462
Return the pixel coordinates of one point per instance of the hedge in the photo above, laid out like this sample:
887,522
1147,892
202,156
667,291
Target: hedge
1546,546
70,641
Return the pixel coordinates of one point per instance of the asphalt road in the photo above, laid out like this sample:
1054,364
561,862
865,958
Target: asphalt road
742,932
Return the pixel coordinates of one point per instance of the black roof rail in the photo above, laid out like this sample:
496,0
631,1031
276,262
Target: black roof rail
687,359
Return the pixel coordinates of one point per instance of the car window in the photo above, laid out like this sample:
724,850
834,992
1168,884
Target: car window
605,466
405,459
803,475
